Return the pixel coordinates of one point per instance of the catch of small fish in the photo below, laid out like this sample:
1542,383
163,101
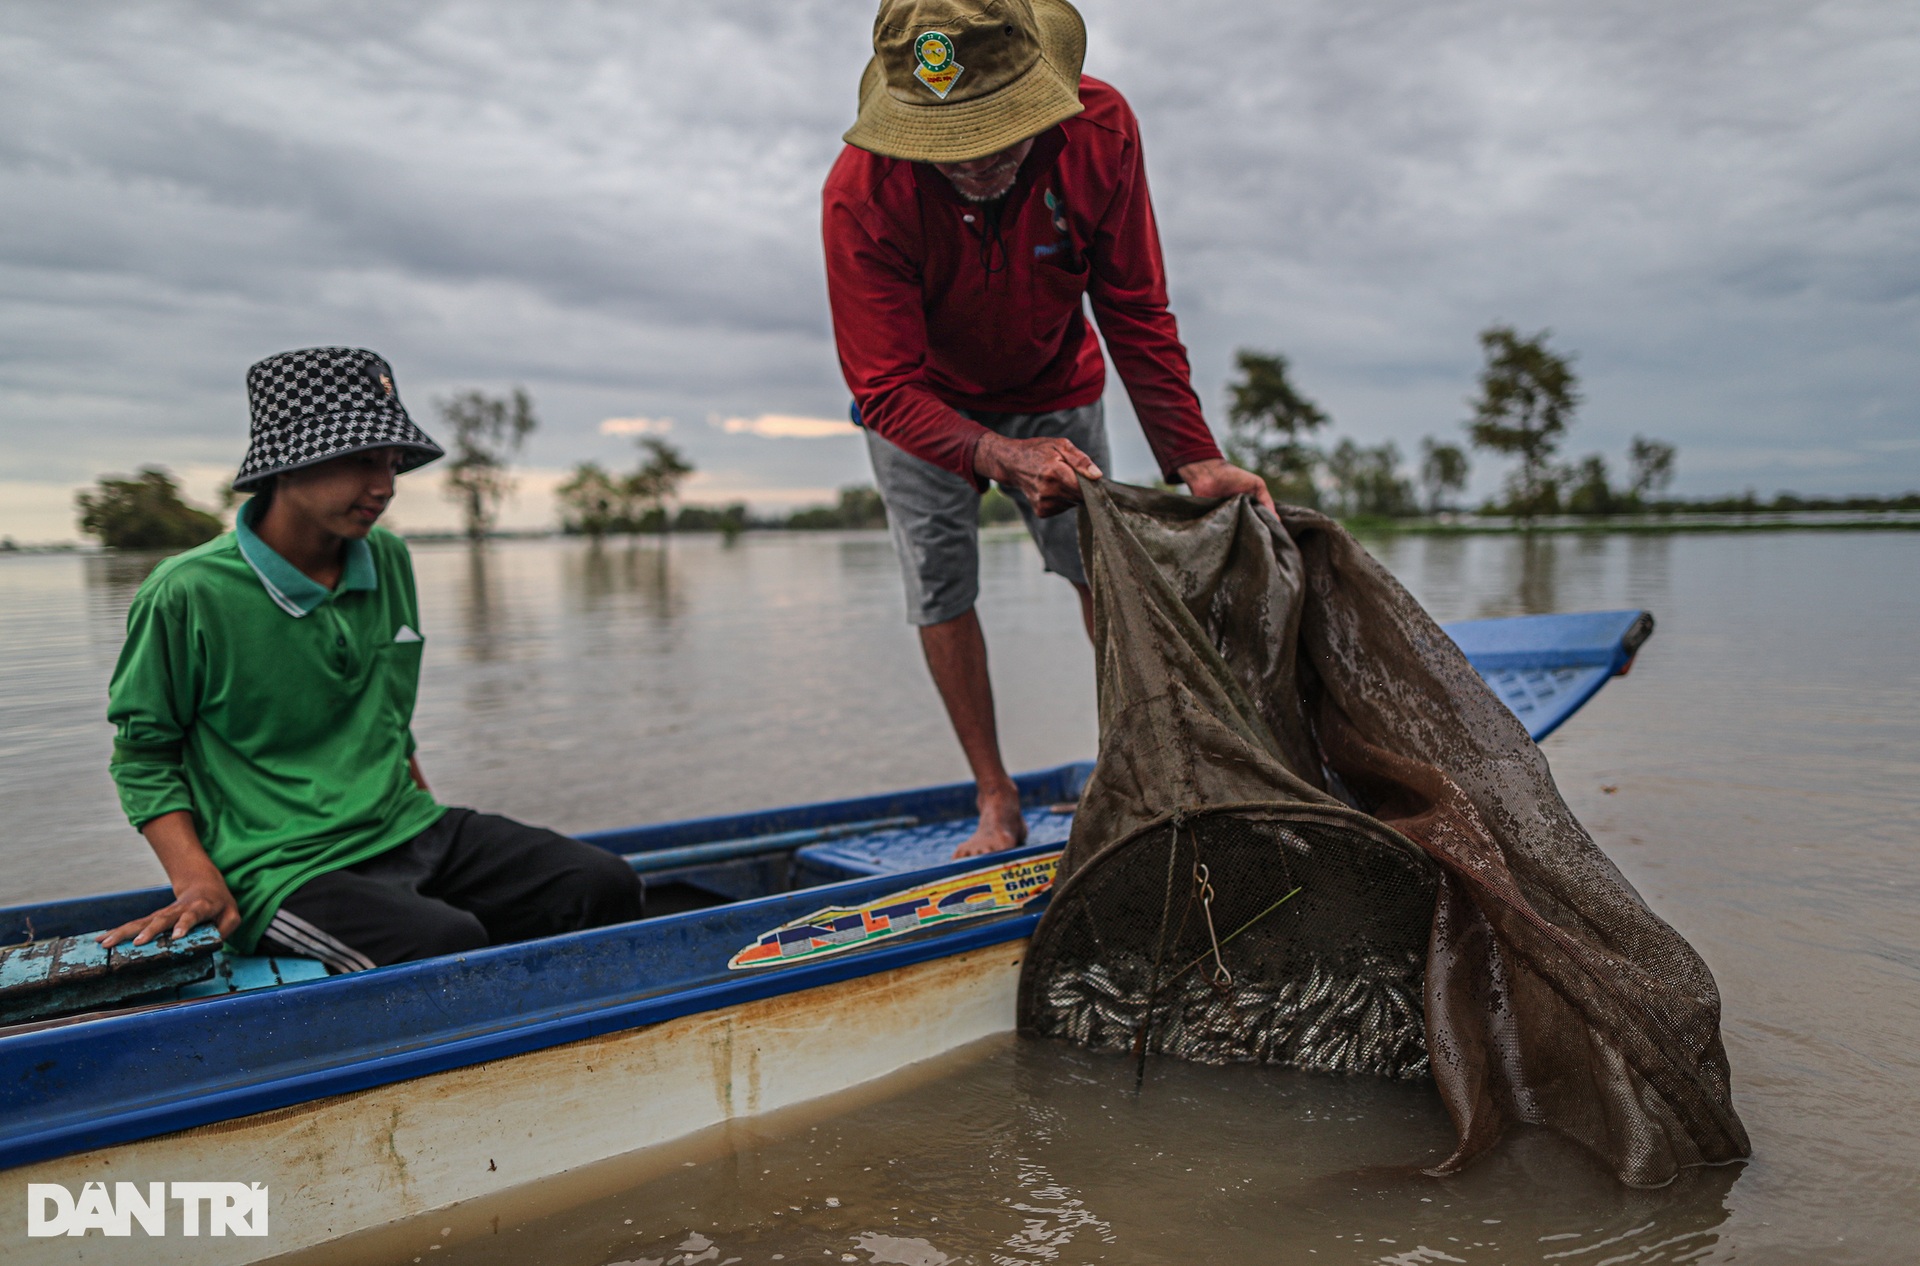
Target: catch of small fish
1364,1018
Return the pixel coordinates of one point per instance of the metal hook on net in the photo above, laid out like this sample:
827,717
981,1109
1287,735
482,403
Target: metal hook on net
1203,889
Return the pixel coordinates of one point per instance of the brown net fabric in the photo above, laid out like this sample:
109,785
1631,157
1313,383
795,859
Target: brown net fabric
1315,838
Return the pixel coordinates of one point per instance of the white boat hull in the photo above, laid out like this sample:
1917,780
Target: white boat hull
347,1164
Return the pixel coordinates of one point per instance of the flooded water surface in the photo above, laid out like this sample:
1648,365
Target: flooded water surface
1757,777
1022,1153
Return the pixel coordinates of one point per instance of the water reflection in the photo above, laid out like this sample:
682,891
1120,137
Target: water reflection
605,573
1469,577
1443,564
1649,569
1028,1152
1532,582
120,574
872,553
476,605
1585,561
663,670
111,581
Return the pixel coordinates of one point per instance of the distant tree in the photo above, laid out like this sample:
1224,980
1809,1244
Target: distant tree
1367,481
1443,469
145,512
486,432
1341,468
998,507
653,487
859,506
1590,488
1650,463
1528,395
591,501
813,519
728,520
1268,422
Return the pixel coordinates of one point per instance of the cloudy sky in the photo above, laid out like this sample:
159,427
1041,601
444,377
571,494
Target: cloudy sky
1716,205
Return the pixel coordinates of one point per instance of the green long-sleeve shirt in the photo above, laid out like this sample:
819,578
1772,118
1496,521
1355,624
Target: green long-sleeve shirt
275,710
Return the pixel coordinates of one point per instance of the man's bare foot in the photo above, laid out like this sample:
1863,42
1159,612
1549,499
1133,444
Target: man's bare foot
1001,826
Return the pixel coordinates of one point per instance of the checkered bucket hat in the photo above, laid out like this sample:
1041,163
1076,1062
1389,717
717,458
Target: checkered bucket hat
322,402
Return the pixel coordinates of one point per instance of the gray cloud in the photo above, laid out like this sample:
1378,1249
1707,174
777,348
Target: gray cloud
616,204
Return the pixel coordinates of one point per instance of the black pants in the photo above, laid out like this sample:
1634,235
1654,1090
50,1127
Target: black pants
468,881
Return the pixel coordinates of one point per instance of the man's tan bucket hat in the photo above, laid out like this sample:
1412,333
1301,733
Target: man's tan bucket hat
955,80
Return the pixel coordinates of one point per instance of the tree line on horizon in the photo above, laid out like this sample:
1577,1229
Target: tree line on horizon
1526,403
1527,400
484,434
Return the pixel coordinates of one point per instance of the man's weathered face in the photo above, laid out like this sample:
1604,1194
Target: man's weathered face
984,179
347,495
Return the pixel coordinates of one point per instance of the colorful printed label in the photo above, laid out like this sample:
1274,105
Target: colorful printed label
991,890
937,68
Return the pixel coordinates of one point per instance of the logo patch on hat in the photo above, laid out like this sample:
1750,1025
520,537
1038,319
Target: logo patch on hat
937,68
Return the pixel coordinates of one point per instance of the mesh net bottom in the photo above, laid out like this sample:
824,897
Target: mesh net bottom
1321,933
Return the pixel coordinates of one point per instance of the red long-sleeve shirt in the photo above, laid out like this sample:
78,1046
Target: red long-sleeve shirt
934,312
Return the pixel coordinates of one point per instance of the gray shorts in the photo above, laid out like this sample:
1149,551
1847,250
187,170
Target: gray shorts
934,515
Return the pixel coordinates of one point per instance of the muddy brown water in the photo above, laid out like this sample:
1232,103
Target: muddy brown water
1757,776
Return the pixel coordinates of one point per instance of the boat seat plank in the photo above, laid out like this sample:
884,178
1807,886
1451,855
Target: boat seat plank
237,973
77,973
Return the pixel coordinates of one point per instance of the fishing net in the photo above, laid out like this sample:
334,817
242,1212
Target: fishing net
1324,926
1314,838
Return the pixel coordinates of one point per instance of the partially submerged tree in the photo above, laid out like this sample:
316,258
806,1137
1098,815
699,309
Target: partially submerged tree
1367,482
1650,463
1268,421
1590,488
144,512
485,432
594,501
1443,470
652,488
1527,399
591,501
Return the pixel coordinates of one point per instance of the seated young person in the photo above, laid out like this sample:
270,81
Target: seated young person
263,705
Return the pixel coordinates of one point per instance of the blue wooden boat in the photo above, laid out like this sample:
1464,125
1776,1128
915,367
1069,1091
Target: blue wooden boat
820,946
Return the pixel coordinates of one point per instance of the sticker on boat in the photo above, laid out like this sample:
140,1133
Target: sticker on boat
990,890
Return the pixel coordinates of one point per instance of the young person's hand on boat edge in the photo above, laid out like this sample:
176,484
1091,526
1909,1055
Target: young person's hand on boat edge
200,892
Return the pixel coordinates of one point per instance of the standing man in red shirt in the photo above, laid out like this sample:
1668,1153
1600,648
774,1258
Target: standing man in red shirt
985,189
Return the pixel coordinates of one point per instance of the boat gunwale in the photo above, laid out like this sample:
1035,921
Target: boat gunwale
192,1107
706,984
